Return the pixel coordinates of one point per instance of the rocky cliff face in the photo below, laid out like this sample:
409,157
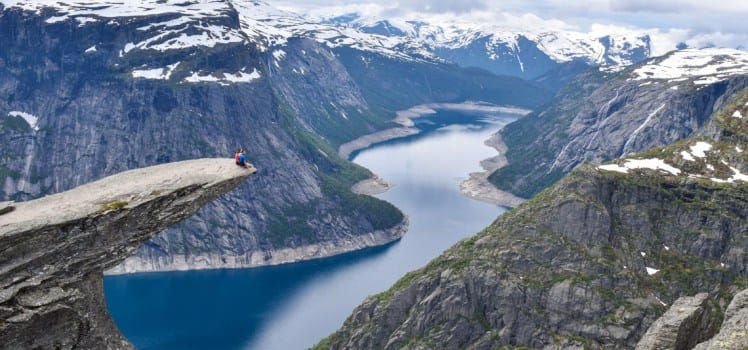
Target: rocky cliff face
686,322
89,91
55,249
602,116
732,334
589,263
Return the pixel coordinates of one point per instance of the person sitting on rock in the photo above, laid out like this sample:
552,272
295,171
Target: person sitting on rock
243,159
236,155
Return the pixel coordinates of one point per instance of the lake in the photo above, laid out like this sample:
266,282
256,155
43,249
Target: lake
293,306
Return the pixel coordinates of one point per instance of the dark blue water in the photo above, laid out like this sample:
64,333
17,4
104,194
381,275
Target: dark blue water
294,306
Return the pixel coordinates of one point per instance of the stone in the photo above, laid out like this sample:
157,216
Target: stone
6,207
685,324
67,240
733,334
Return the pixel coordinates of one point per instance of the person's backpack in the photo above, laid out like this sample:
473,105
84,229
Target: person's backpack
242,159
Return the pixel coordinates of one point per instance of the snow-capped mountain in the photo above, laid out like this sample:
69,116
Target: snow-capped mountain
524,53
192,24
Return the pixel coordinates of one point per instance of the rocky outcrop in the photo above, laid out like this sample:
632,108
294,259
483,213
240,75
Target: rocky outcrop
591,262
690,320
54,249
685,324
733,334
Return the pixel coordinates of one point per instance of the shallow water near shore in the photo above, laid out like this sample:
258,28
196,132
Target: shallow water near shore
294,306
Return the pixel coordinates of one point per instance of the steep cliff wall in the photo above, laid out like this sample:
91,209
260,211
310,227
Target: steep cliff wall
54,249
605,115
590,262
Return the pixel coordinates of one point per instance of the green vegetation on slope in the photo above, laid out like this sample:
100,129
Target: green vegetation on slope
337,175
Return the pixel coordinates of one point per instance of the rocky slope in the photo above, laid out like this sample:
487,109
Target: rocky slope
55,249
602,116
95,88
589,263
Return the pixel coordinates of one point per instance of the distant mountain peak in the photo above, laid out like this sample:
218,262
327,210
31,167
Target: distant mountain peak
181,24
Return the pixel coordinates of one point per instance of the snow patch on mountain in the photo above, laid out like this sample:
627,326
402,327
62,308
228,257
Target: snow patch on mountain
30,119
155,73
703,66
223,78
630,164
95,10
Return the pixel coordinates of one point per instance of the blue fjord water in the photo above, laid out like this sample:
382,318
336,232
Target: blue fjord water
293,306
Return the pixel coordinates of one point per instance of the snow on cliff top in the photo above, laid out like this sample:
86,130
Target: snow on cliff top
705,66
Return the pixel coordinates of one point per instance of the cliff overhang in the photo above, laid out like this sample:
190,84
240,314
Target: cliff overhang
53,250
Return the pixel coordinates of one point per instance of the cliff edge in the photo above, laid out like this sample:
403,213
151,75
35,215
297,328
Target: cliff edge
53,250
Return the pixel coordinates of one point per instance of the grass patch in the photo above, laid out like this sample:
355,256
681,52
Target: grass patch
112,206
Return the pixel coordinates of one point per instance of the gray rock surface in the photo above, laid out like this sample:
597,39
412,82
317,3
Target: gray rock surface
55,249
686,323
591,262
733,334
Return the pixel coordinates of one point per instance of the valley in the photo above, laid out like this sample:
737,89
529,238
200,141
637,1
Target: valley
426,175
256,308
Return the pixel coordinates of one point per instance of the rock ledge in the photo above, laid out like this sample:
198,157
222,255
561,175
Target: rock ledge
53,250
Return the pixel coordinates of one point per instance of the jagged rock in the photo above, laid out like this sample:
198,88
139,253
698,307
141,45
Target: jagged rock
733,335
684,325
55,249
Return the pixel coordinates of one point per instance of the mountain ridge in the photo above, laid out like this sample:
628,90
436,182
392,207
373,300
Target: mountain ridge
523,53
590,262
654,103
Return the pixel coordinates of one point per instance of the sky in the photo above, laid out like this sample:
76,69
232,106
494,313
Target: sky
698,23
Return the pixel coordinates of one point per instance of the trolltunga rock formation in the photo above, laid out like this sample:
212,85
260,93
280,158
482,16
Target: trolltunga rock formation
53,250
